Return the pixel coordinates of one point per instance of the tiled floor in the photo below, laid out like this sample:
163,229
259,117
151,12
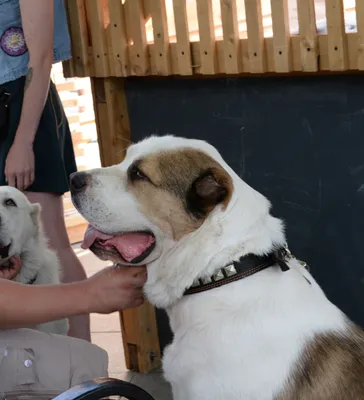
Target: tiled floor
105,330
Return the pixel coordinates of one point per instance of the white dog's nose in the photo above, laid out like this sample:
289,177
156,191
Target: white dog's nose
78,181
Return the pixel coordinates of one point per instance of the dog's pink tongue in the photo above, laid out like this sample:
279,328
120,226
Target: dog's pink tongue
91,235
129,245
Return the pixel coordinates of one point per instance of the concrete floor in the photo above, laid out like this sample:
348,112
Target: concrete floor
106,333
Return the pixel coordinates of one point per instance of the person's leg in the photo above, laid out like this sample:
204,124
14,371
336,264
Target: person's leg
34,362
55,229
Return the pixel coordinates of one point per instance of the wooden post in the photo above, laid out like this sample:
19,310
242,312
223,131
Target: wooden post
137,38
183,37
96,22
230,28
207,37
307,27
139,326
281,36
360,25
337,42
77,23
161,55
119,50
256,48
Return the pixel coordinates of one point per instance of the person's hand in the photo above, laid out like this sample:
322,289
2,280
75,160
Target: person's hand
116,289
11,268
19,165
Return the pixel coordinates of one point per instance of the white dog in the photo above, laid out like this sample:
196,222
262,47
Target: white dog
249,321
21,234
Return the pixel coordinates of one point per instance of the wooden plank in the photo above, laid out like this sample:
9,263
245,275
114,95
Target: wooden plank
161,59
112,120
96,23
256,50
137,38
183,37
360,25
338,52
139,326
229,18
307,30
281,36
119,44
68,68
207,37
139,329
76,15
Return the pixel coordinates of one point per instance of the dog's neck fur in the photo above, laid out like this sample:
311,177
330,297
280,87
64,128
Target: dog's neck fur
35,255
225,236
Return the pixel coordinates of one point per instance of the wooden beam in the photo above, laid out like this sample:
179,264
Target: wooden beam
183,37
139,326
281,36
360,25
307,30
208,59
338,52
256,49
229,18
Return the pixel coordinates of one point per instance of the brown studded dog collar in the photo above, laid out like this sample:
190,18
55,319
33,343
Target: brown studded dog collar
246,266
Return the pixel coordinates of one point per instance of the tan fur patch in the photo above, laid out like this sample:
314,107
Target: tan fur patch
172,174
330,368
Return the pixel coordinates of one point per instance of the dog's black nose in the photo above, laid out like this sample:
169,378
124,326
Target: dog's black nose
78,181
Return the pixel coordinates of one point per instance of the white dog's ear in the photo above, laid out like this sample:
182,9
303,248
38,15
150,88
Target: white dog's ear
35,210
211,188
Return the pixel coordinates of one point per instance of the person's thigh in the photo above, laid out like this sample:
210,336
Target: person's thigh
72,270
37,361
52,217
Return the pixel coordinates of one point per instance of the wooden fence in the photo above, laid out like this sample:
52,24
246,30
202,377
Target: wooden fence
119,38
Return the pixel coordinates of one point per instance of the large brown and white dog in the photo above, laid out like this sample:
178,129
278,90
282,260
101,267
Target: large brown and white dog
21,234
176,206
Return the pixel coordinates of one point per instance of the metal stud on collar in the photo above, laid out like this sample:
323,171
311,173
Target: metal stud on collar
218,276
230,270
223,273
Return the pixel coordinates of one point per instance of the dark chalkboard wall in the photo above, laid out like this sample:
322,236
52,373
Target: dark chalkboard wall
299,141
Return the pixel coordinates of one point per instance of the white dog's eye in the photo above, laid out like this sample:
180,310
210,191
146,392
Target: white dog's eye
136,174
140,175
10,203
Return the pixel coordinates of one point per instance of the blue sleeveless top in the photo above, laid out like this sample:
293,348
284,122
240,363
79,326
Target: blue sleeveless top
14,56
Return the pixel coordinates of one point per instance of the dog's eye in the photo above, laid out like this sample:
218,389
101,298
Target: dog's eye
136,174
9,203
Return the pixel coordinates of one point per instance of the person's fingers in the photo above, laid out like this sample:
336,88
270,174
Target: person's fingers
26,181
12,269
140,279
11,179
137,302
32,176
20,181
138,270
15,265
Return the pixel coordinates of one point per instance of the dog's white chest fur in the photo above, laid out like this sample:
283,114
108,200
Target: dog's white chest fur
236,343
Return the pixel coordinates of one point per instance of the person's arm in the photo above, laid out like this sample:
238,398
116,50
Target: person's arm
37,22
112,289
24,306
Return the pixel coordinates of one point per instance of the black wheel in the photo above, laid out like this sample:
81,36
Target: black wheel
101,388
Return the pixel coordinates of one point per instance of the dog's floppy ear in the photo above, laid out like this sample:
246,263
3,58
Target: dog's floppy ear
35,210
212,187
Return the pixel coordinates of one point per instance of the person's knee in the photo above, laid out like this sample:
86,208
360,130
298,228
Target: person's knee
47,362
